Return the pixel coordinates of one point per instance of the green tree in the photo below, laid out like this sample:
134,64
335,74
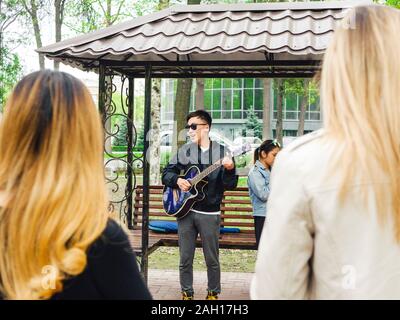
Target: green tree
393,3
10,73
253,125
139,138
85,16
33,9
10,66
120,138
182,104
155,122
93,15
304,94
59,8
280,89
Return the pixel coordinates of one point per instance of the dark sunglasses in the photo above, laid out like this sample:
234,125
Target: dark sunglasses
193,126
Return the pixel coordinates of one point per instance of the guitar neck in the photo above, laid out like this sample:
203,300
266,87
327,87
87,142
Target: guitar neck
234,153
207,171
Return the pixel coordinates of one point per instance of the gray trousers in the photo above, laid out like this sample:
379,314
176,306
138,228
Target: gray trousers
188,228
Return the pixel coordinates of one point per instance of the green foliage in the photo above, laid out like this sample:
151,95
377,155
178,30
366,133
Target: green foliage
118,148
244,161
10,65
164,159
89,19
253,124
120,140
393,3
139,109
314,92
140,137
97,14
121,136
10,73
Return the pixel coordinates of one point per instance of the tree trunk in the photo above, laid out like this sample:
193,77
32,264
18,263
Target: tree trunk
267,125
108,15
267,132
155,154
199,103
303,108
59,17
279,117
33,10
182,102
182,105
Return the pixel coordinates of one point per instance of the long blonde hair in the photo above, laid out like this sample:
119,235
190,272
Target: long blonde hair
360,91
51,171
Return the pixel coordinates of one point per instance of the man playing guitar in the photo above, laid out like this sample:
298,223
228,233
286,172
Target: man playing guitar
204,217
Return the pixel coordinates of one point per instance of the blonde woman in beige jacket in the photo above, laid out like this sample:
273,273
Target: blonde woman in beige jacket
334,209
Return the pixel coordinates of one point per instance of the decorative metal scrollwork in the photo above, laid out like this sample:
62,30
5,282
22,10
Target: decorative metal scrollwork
121,166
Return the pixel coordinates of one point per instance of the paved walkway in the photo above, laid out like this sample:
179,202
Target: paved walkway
164,285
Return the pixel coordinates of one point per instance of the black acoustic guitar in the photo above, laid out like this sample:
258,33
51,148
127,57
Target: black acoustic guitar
178,203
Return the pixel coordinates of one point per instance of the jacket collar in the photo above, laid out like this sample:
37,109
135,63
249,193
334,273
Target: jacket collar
260,166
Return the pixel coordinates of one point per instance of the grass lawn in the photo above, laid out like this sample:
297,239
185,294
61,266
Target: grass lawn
242,181
167,258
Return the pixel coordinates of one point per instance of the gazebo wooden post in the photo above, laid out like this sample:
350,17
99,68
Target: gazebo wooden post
146,173
129,167
102,91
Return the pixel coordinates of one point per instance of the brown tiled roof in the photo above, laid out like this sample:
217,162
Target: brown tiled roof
230,33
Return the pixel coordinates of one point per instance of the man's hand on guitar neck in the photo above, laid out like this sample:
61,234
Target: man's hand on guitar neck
228,163
183,184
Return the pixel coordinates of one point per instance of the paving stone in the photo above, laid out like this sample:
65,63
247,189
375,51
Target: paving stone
164,285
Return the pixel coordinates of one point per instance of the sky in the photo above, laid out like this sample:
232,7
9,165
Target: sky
29,58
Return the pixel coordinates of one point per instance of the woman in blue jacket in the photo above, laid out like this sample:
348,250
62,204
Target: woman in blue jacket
258,182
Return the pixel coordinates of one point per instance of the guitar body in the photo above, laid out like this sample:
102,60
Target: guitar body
177,203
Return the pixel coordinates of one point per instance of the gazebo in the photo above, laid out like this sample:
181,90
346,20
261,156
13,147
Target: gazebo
264,40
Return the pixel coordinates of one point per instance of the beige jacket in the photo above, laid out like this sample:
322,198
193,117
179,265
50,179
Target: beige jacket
314,248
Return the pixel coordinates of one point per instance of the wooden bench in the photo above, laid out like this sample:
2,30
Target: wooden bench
236,211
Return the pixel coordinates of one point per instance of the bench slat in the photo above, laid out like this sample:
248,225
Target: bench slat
235,216
236,194
235,209
140,199
237,224
233,201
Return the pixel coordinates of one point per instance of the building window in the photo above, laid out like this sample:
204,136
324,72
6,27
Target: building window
168,89
232,98
292,106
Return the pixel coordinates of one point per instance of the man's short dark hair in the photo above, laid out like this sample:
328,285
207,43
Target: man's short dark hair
202,114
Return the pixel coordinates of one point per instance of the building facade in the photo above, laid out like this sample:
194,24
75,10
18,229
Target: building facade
229,100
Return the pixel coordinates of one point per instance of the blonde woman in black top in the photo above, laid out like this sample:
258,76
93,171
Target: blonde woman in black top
56,241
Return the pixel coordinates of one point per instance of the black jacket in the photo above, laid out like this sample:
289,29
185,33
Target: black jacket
218,181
